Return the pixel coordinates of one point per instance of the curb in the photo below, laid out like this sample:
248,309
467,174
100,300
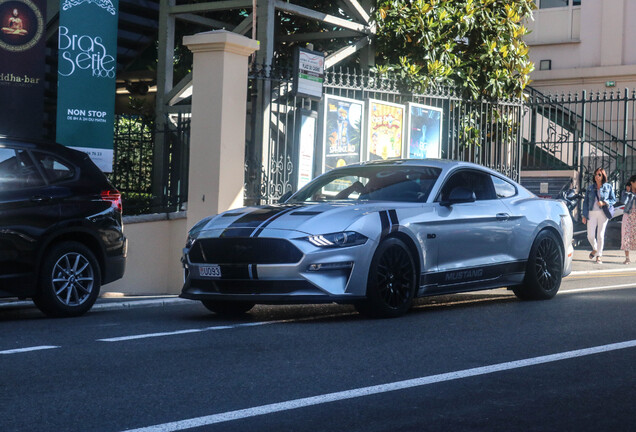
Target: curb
587,272
108,305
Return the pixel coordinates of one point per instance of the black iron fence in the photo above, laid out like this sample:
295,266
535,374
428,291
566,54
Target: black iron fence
482,132
571,135
581,132
135,165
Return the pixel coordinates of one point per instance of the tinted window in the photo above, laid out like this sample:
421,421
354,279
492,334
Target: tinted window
503,188
478,182
17,170
54,168
371,183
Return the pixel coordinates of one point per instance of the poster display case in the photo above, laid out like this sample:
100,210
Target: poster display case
342,134
385,130
424,138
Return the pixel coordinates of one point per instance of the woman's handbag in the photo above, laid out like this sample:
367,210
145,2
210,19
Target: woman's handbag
608,209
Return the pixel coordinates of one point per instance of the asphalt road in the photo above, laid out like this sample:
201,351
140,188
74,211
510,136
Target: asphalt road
482,361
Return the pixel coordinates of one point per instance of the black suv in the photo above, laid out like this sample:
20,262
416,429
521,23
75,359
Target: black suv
61,232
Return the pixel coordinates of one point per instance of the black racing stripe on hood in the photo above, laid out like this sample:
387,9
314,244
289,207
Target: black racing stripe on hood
245,225
306,213
273,218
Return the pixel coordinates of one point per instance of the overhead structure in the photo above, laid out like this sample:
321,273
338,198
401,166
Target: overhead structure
258,19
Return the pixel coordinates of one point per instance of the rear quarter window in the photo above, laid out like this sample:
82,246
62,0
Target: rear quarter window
55,169
503,188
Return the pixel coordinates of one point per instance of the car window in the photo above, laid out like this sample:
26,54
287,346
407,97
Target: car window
55,169
478,182
503,189
17,170
371,183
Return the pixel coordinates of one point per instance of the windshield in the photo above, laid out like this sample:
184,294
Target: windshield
371,183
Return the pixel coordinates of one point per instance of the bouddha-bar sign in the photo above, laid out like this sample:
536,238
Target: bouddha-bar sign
87,68
22,26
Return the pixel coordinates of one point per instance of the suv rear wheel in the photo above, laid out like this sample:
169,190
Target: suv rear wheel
69,280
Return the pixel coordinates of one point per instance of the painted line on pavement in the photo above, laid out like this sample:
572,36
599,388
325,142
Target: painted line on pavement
377,389
602,288
222,327
22,350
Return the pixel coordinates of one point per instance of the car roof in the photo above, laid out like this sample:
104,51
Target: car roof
444,164
35,144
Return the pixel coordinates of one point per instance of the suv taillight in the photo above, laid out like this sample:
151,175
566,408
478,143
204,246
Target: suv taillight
114,197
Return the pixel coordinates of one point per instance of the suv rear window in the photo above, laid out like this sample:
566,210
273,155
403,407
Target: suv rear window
17,170
55,169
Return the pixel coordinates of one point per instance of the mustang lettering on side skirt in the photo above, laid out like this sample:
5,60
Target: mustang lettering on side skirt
465,275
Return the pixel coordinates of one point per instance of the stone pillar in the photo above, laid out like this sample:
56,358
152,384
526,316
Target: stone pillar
217,134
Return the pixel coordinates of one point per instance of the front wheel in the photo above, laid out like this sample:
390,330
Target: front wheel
392,281
228,309
69,280
544,269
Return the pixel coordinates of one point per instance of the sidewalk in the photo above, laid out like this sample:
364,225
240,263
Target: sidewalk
612,260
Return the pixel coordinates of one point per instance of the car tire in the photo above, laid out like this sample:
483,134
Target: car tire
69,280
391,284
544,270
228,309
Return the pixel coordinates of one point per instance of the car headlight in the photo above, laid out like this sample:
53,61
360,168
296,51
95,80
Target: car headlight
189,242
339,239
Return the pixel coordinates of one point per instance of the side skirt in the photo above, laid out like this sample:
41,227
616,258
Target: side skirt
472,279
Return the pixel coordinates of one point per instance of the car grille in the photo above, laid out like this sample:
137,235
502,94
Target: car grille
244,251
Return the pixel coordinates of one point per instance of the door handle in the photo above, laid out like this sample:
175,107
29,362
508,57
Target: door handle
503,216
40,199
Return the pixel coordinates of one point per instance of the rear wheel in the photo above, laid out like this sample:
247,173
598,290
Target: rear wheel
228,308
392,281
69,280
544,269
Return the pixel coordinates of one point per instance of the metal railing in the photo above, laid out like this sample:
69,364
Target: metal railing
134,144
581,132
271,145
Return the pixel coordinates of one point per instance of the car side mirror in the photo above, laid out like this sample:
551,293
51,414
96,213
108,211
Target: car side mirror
285,197
459,195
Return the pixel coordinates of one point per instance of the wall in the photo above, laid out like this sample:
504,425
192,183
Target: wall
588,46
153,265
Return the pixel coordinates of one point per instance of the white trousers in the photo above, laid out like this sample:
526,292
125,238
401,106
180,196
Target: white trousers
596,224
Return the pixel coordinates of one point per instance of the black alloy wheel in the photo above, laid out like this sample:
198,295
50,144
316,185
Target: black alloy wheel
544,270
392,281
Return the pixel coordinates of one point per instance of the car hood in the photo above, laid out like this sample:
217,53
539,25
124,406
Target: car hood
304,218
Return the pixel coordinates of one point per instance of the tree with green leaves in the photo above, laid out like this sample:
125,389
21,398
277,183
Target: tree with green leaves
475,46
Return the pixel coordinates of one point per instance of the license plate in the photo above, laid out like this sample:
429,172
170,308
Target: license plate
210,271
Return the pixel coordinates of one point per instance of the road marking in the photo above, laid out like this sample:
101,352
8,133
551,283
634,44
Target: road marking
383,388
22,350
186,331
223,327
602,288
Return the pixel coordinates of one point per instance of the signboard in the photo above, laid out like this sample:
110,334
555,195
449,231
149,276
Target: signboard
385,131
22,44
87,65
307,141
424,132
310,73
342,132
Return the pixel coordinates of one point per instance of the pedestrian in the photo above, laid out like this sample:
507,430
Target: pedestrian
628,227
598,195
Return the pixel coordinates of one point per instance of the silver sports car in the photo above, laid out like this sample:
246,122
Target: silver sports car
379,234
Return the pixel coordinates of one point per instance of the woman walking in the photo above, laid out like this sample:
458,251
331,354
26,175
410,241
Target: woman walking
598,195
628,227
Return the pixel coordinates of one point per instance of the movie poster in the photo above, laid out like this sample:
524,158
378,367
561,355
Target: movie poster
87,67
342,132
386,130
22,44
424,132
